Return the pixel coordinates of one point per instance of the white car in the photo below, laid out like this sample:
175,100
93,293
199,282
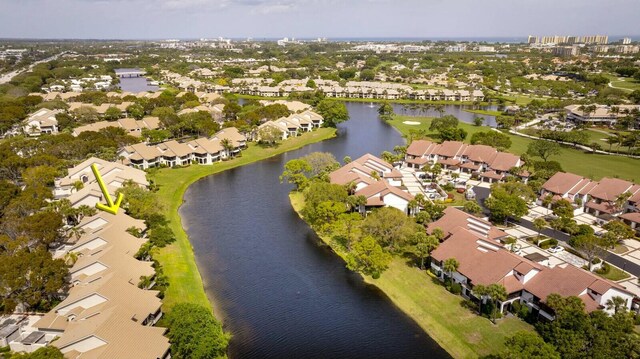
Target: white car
556,249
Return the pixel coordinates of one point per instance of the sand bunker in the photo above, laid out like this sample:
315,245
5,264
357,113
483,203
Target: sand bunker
412,123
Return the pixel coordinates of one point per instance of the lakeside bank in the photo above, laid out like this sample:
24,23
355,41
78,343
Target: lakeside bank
458,330
177,259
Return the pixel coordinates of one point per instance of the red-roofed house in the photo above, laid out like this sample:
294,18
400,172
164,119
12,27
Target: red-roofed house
383,194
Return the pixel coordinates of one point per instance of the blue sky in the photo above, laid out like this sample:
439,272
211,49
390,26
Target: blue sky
158,19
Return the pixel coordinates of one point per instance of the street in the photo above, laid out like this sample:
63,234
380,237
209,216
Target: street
618,261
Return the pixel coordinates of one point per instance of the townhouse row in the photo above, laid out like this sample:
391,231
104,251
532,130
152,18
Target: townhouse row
483,260
205,151
111,308
484,161
606,199
292,125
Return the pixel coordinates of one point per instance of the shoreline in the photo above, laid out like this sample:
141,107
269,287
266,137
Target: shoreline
471,337
346,99
178,259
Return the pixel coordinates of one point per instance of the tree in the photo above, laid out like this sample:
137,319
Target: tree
32,278
48,352
539,224
136,111
528,345
617,231
621,200
269,135
543,149
505,121
616,304
445,122
367,75
320,162
368,257
195,333
562,208
495,139
472,207
424,245
389,226
453,134
449,266
385,111
589,245
311,84
478,121
333,112
112,113
495,293
346,160
503,205
294,173
227,146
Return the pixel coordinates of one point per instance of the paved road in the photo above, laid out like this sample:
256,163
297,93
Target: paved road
616,260
8,76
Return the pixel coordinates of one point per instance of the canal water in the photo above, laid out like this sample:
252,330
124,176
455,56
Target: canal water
136,84
279,292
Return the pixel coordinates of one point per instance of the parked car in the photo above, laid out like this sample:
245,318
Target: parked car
556,249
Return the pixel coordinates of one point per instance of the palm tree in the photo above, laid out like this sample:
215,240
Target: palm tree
616,304
493,292
76,232
622,199
227,146
77,185
539,224
450,265
71,258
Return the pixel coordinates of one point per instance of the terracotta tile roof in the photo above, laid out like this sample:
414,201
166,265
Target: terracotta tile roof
383,188
448,161
492,175
421,148
504,161
451,148
454,219
605,207
352,171
480,153
608,188
631,216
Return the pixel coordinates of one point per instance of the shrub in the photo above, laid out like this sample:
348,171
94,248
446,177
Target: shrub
604,269
456,288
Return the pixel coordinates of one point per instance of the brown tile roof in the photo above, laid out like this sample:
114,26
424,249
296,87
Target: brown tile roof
492,175
480,153
454,219
479,262
608,188
420,148
450,148
605,207
383,188
631,216
504,161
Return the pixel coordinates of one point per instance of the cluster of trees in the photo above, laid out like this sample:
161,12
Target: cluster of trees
492,138
509,200
195,333
29,224
366,243
447,128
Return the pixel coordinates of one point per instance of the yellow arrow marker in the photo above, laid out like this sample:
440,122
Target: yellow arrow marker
110,207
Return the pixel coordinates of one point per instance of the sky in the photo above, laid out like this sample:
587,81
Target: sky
165,19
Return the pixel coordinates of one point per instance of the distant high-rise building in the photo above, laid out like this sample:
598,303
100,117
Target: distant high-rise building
532,39
626,41
566,51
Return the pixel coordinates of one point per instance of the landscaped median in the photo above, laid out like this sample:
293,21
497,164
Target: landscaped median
177,259
441,314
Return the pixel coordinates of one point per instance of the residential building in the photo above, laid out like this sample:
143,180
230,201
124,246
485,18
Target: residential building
131,126
601,114
483,261
42,121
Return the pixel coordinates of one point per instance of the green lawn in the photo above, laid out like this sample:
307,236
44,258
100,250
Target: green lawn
623,83
461,332
594,166
177,259
615,274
